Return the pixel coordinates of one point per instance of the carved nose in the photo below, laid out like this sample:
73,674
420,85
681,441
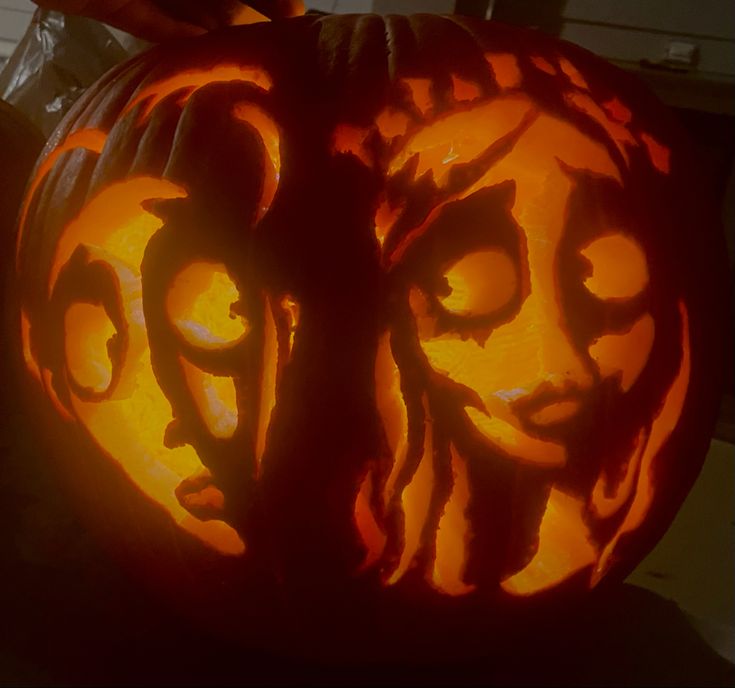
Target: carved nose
562,366
558,376
547,385
557,396
541,352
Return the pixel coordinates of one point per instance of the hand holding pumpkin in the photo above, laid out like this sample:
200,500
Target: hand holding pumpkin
157,20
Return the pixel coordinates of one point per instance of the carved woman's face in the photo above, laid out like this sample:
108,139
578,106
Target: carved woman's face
519,314
490,313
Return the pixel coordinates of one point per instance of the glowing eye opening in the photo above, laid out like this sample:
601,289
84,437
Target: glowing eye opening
200,304
87,333
619,269
480,282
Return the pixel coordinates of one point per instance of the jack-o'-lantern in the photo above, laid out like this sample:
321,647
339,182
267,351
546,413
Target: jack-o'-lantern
384,308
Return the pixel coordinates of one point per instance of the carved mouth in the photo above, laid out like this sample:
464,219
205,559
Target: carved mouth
553,419
529,430
518,445
555,413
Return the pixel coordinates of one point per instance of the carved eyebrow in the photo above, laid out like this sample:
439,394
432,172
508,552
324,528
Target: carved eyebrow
189,82
584,172
480,218
443,145
459,179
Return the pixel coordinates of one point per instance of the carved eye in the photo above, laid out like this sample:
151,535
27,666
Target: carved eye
618,267
202,304
480,283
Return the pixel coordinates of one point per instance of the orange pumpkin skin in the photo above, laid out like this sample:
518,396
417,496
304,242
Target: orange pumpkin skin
390,317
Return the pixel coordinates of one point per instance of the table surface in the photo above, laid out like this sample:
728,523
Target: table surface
694,563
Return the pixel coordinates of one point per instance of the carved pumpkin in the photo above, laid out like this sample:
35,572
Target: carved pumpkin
374,307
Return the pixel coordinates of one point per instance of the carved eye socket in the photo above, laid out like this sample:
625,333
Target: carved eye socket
618,267
202,304
480,283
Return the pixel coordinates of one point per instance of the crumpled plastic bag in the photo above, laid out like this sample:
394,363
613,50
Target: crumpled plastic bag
56,60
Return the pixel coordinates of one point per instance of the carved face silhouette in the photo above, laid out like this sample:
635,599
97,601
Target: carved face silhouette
164,344
418,338
488,302
481,276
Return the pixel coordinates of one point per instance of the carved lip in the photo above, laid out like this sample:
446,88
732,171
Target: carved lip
515,442
555,413
550,414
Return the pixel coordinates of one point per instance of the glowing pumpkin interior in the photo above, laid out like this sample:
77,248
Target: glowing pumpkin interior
489,387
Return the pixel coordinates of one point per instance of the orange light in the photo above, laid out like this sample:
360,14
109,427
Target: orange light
371,535
391,406
46,379
217,534
606,500
350,139
115,229
501,364
271,137
88,139
627,353
156,469
88,331
480,282
415,499
533,350
293,313
244,15
191,81
564,548
215,397
420,92
392,123
393,414
659,155
461,136
543,64
617,132
505,69
464,91
114,220
385,217
453,534
516,443
619,267
663,425
267,382
556,412
618,111
28,357
200,304
573,74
